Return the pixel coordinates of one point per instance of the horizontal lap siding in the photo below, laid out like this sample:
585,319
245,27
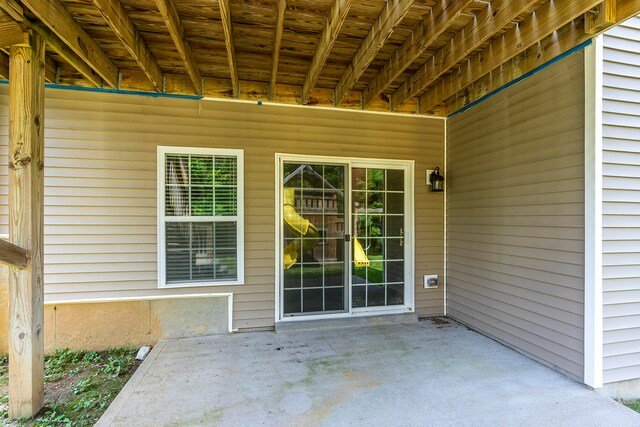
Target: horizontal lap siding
621,202
100,179
515,215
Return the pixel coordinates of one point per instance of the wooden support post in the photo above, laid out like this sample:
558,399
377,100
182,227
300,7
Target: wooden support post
26,212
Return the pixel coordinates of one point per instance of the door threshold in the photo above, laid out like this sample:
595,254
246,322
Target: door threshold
346,322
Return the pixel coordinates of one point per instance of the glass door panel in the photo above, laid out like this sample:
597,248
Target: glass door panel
377,215
313,220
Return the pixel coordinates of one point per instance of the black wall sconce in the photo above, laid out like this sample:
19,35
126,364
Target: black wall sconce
436,180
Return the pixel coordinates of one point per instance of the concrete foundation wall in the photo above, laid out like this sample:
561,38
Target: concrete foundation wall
98,326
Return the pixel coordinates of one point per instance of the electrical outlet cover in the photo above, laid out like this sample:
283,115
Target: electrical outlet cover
430,281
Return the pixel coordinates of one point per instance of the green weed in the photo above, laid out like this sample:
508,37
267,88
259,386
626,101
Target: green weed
54,417
55,365
633,404
118,359
82,386
91,381
92,357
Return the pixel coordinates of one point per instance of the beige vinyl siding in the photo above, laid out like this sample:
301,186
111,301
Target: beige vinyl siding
621,202
515,215
100,179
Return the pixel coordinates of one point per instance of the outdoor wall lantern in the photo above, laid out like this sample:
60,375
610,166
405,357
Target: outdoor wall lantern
436,180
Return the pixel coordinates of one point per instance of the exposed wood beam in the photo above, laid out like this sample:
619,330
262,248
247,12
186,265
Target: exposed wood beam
11,31
26,219
388,20
626,9
117,18
57,18
423,35
277,41
13,255
50,70
61,48
493,18
227,26
337,15
546,20
13,9
173,23
4,66
253,91
600,17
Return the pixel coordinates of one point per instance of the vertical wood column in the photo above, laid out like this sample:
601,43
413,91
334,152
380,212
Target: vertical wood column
26,211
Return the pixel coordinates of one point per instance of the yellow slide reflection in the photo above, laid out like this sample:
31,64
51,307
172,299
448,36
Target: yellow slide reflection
359,257
299,225
310,235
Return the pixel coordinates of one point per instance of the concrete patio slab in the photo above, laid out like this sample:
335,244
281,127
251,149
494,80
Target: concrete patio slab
432,373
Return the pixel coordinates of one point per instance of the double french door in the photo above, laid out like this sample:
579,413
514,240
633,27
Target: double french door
343,236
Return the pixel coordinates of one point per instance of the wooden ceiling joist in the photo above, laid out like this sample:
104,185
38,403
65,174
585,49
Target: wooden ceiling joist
543,22
174,25
225,14
455,49
119,22
543,51
57,18
336,18
277,41
493,18
62,49
424,35
388,20
13,9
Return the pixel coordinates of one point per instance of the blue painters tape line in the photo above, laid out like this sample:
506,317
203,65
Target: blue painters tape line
116,91
522,77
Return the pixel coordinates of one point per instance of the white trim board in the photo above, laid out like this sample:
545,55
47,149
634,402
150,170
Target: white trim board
409,241
444,226
322,107
593,309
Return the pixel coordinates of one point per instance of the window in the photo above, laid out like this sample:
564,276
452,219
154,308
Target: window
200,218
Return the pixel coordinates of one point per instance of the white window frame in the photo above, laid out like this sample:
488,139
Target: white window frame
239,217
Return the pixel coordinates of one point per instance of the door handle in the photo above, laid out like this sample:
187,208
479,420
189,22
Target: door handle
347,237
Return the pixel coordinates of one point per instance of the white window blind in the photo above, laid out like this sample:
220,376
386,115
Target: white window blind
200,224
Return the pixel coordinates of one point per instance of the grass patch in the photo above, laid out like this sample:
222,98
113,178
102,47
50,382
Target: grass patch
633,404
79,386
374,273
